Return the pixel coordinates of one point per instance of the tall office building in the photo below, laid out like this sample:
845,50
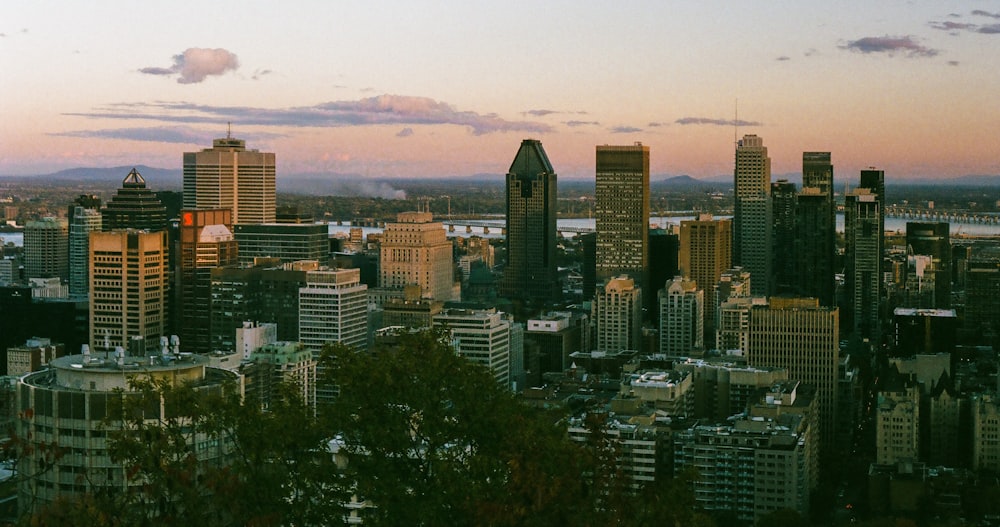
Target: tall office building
228,176
482,337
46,249
206,242
333,307
127,290
134,207
664,250
783,266
863,216
816,230
706,251
982,293
81,223
752,212
415,250
933,239
682,306
622,201
531,271
803,337
617,313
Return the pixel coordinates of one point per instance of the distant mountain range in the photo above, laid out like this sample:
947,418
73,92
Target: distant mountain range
163,178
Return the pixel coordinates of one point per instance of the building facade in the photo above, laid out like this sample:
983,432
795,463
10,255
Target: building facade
706,251
863,251
46,249
622,212
128,289
228,176
481,336
617,315
531,271
288,242
205,242
752,212
81,224
682,307
134,206
415,250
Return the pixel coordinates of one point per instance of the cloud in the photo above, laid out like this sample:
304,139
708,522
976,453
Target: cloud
655,124
783,58
260,73
539,113
196,64
953,63
992,29
380,110
574,124
161,134
717,122
980,12
890,45
625,130
405,132
952,26
810,52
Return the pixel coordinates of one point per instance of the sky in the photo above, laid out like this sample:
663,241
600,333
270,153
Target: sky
421,89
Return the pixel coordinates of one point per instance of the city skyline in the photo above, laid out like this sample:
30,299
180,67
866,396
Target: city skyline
375,90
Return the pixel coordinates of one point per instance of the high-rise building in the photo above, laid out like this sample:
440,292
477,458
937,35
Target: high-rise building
799,335
982,293
531,271
482,337
682,306
134,207
46,249
205,242
752,212
82,222
289,242
617,314
783,265
291,364
128,290
863,251
333,307
706,251
933,239
415,250
228,176
815,229
897,420
622,223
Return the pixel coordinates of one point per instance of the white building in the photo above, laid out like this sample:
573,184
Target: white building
482,336
228,176
255,335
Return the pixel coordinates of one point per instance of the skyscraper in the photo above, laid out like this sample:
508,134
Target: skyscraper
46,249
863,250
752,212
815,230
706,251
482,337
127,289
617,313
783,264
531,271
228,176
415,250
798,334
622,200
134,207
206,242
682,306
81,223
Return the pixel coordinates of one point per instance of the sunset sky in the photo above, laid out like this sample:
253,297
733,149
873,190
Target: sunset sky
415,89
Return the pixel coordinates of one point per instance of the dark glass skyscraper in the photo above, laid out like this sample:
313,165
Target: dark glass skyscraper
531,272
134,207
815,230
933,239
864,235
783,264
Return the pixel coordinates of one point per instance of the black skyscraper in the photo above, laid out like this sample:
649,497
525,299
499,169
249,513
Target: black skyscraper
933,239
530,273
134,207
815,230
